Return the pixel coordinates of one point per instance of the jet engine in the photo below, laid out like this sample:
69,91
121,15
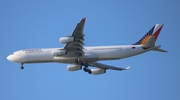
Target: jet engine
59,52
98,71
74,67
65,40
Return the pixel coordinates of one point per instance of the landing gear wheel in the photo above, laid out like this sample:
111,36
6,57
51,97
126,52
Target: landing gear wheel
89,71
85,69
22,67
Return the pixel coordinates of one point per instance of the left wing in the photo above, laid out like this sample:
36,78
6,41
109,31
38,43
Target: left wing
75,48
103,66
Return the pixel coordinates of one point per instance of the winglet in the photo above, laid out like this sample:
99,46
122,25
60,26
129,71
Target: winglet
127,68
83,20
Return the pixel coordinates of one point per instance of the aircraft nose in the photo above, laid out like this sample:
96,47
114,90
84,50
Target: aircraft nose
15,57
9,58
12,58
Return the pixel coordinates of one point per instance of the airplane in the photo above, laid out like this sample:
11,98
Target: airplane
78,56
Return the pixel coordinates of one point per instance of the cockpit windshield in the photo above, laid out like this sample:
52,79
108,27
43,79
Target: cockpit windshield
12,53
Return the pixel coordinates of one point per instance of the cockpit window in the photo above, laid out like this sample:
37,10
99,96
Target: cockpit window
12,53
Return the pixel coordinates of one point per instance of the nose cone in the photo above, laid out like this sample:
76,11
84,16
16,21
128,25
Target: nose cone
14,58
10,58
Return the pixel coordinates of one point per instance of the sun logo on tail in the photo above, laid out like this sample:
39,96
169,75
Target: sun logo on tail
143,40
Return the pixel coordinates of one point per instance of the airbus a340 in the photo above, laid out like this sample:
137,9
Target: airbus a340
78,56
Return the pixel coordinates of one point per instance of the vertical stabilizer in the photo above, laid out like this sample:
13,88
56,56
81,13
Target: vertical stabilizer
149,39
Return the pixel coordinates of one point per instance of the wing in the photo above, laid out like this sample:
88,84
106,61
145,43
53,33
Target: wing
103,66
75,48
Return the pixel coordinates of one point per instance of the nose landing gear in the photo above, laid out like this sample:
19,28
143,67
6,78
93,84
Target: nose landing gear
22,67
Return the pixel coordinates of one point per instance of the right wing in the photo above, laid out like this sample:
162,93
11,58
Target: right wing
103,66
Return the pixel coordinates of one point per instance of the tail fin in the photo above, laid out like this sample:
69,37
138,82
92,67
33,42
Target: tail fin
149,39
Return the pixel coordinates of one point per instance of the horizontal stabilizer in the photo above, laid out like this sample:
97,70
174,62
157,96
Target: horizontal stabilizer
160,50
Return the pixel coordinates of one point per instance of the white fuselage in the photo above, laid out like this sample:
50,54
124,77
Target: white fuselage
95,53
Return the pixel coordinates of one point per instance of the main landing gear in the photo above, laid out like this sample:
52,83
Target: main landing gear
86,69
22,67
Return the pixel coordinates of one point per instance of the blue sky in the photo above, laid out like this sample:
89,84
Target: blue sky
28,24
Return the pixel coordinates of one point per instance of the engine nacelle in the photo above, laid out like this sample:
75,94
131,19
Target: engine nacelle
65,40
74,67
59,52
98,71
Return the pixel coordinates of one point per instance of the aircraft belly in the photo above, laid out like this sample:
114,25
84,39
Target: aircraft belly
61,59
126,54
88,57
107,55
